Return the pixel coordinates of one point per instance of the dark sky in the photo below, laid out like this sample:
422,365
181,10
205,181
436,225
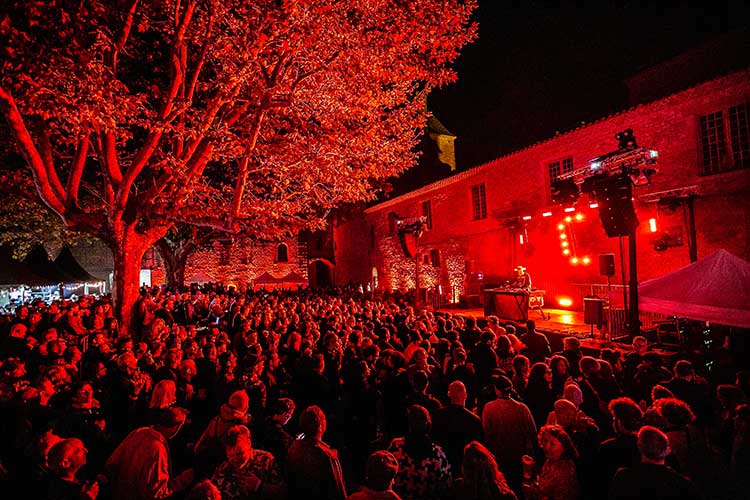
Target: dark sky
541,67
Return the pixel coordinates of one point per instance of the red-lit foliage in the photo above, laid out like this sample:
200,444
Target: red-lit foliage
132,115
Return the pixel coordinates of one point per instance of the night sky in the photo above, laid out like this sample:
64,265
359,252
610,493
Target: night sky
540,67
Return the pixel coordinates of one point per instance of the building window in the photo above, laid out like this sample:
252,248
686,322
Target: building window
478,202
282,253
722,153
427,212
435,257
559,168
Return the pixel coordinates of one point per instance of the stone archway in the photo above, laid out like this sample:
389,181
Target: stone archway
320,273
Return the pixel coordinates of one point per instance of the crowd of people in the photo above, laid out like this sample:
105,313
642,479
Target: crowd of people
215,393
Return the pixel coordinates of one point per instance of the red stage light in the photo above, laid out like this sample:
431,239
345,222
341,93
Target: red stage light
526,217
564,244
579,217
561,227
547,214
566,251
568,218
652,225
586,261
570,209
563,236
520,239
594,205
574,260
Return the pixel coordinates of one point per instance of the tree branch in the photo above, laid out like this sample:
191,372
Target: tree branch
30,152
124,34
76,172
239,187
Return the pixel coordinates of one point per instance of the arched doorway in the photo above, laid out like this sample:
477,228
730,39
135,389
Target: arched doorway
319,273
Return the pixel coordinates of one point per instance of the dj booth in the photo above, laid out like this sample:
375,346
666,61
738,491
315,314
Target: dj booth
512,303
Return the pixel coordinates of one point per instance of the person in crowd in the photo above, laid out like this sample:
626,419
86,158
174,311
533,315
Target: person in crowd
64,460
139,468
424,471
479,477
560,368
204,490
537,344
572,352
651,478
509,430
693,389
558,478
622,449
247,472
380,471
209,449
539,396
521,369
453,426
313,467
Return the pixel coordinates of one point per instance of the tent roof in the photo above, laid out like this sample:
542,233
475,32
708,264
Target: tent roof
293,277
15,272
266,278
70,266
716,288
39,262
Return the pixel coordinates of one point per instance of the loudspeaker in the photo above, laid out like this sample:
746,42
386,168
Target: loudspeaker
616,210
593,310
607,264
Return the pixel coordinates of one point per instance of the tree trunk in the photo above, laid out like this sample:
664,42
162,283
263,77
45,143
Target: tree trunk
128,255
175,261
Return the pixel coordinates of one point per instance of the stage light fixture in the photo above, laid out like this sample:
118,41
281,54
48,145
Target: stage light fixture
563,236
568,218
586,261
526,217
652,225
593,205
565,301
565,191
546,214
561,227
579,217
574,260
566,251
564,244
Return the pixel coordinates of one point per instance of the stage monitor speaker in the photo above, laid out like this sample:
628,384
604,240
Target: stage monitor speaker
607,264
593,310
616,210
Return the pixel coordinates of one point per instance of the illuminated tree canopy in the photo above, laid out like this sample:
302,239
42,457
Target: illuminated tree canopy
134,115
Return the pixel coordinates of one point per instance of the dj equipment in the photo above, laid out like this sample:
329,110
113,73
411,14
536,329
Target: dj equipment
513,303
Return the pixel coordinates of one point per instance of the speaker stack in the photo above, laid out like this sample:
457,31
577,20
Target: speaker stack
614,195
607,264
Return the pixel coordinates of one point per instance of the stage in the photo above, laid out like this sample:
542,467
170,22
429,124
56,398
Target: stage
560,323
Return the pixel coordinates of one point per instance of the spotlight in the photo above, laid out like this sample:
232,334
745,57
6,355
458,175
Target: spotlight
574,260
586,261
626,139
561,227
579,217
566,251
564,244
570,209
568,218
546,214
526,217
593,205
563,236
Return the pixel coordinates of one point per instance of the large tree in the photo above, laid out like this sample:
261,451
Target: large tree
133,115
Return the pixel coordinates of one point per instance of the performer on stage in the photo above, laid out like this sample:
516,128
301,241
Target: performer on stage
523,280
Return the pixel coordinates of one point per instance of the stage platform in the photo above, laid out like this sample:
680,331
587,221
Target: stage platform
560,323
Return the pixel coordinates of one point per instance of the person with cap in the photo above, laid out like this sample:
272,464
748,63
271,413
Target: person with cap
522,279
139,468
209,449
380,471
509,430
